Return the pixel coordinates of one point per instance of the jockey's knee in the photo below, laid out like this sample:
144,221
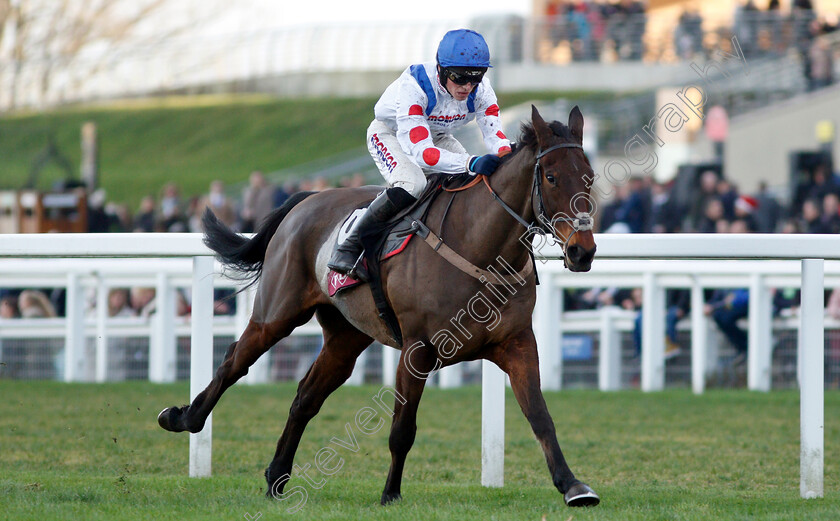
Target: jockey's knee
413,186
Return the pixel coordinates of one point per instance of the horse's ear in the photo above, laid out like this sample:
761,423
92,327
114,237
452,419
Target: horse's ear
540,128
576,124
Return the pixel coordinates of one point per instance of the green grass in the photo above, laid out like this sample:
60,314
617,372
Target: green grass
84,451
192,141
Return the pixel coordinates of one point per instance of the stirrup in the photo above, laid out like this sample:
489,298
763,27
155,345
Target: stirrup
354,271
358,270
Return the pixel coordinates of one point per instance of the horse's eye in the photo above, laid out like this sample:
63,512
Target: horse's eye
550,179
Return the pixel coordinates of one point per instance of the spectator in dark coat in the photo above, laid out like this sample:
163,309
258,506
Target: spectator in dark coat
727,307
768,212
146,220
745,207
811,217
665,214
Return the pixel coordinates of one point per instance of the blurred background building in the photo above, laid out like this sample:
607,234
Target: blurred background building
55,53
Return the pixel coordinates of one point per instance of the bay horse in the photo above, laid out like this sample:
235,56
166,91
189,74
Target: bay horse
536,183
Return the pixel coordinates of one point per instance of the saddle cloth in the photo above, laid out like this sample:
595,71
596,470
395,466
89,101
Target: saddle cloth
399,234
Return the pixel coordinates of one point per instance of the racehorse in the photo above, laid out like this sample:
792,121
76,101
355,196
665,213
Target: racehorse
537,185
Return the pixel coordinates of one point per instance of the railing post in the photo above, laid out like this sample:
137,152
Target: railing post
547,317
760,352
529,40
162,350
75,346
450,377
492,425
357,377
101,330
201,360
699,341
812,387
653,334
389,366
260,371
609,353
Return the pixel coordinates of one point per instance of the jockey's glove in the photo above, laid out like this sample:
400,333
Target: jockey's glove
484,165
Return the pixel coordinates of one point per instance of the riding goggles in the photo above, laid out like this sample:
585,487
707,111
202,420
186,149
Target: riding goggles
464,75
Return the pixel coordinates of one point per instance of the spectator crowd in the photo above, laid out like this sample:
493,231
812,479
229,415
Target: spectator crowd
168,212
171,212
608,30
715,205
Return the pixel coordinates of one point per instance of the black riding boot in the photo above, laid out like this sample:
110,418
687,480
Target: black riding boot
386,205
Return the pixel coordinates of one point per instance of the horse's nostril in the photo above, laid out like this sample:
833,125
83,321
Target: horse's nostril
574,252
578,255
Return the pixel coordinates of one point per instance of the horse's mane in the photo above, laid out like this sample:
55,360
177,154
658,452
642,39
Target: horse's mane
528,137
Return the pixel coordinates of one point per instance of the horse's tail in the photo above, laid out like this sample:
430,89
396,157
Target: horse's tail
245,256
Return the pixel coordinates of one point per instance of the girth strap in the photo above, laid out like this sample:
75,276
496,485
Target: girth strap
466,266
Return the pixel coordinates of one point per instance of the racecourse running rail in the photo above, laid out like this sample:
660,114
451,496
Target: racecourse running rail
811,250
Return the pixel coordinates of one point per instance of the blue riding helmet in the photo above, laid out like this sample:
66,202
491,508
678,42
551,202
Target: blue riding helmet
463,48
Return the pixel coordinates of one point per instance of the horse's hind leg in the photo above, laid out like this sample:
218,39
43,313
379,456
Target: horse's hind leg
518,358
254,342
343,343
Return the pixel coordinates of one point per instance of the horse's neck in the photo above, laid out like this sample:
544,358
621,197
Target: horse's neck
484,230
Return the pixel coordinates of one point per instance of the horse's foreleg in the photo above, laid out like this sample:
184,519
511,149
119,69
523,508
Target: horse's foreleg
414,368
254,342
518,358
342,346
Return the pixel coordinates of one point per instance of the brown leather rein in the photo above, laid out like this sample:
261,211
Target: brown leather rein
581,222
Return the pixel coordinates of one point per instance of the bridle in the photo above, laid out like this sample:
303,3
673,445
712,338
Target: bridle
545,225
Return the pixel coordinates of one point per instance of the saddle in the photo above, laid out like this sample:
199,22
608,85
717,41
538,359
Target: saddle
390,239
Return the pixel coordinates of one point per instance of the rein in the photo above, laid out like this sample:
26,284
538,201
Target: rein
581,222
479,178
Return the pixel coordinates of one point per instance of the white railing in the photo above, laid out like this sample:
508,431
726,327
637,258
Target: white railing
27,246
95,277
810,250
655,276
83,277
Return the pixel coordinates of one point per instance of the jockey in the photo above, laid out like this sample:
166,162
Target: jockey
412,131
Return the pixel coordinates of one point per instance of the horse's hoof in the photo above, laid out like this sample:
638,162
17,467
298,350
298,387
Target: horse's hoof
581,495
389,498
168,418
275,486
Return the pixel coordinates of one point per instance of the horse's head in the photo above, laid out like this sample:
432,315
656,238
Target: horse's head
562,179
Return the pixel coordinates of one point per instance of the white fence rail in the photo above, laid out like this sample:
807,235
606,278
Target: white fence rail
655,276
26,246
84,278
810,250
93,278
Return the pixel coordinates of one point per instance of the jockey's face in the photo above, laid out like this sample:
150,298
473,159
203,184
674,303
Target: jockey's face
459,92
